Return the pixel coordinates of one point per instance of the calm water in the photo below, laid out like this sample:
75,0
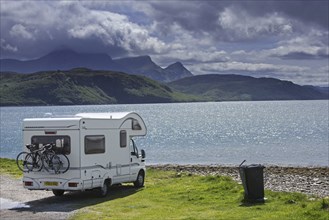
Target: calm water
280,132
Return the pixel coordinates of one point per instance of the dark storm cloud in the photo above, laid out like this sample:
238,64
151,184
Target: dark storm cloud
217,17
29,29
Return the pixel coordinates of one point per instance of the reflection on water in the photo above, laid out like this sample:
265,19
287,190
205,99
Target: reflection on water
273,132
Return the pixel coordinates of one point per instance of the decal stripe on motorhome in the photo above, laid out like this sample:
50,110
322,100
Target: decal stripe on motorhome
106,168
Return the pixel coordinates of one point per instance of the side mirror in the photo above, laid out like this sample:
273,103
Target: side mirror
143,153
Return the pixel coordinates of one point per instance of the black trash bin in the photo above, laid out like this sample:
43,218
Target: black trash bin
253,182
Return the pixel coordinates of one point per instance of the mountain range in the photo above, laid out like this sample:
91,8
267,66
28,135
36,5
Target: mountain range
216,87
66,59
81,86
65,77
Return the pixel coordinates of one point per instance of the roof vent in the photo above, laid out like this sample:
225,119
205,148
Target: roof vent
48,115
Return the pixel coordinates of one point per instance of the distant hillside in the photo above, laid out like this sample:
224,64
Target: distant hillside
235,87
323,89
68,59
83,86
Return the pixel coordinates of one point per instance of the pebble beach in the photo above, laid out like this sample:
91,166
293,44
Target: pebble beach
313,181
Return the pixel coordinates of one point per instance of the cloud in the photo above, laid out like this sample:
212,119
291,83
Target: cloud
20,31
239,24
7,47
301,48
73,24
115,29
238,67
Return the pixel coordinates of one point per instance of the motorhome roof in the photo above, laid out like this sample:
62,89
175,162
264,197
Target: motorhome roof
106,115
109,120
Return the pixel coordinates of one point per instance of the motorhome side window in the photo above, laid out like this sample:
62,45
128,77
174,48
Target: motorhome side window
123,138
94,144
63,143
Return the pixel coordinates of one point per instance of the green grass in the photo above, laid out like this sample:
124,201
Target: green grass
169,195
8,166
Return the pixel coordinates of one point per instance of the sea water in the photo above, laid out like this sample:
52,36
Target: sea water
269,132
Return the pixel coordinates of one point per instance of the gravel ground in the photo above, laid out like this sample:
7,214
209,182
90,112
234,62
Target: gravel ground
34,204
42,204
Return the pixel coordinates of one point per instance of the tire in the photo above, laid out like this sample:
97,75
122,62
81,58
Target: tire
104,190
58,192
21,161
33,162
63,165
140,179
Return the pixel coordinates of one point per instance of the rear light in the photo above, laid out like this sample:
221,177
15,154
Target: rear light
28,183
73,184
50,132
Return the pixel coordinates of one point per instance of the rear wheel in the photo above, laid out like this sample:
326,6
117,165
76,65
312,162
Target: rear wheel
22,162
58,192
140,179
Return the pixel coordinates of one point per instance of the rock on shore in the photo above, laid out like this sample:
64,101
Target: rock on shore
308,180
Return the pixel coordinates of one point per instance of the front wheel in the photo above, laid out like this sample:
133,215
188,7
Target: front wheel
104,190
140,179
33,162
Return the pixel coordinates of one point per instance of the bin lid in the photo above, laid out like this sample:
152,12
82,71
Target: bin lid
251,166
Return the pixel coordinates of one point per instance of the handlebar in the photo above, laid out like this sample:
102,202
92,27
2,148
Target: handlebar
34,148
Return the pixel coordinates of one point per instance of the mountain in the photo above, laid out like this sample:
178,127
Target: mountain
66,59
59,60
83,86
216,87
143,65
175,68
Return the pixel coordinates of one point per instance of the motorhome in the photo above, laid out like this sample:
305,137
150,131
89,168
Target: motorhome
99,146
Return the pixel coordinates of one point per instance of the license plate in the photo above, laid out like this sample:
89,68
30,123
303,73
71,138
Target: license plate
51,183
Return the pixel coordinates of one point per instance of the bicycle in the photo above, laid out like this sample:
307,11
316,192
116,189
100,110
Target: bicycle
27,162
45,157
59,163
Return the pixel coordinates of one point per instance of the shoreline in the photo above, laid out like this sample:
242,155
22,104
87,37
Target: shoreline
312,181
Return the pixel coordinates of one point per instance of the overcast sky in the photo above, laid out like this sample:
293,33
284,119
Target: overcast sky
282,39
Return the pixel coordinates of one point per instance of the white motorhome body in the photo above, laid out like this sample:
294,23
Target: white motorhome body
99,147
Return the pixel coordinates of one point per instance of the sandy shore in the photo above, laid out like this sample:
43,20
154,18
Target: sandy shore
308,180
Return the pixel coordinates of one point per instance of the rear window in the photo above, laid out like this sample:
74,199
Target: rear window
63,143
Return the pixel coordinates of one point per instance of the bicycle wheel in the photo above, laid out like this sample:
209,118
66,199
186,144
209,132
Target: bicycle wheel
21,161
47,161
33,162
60,163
